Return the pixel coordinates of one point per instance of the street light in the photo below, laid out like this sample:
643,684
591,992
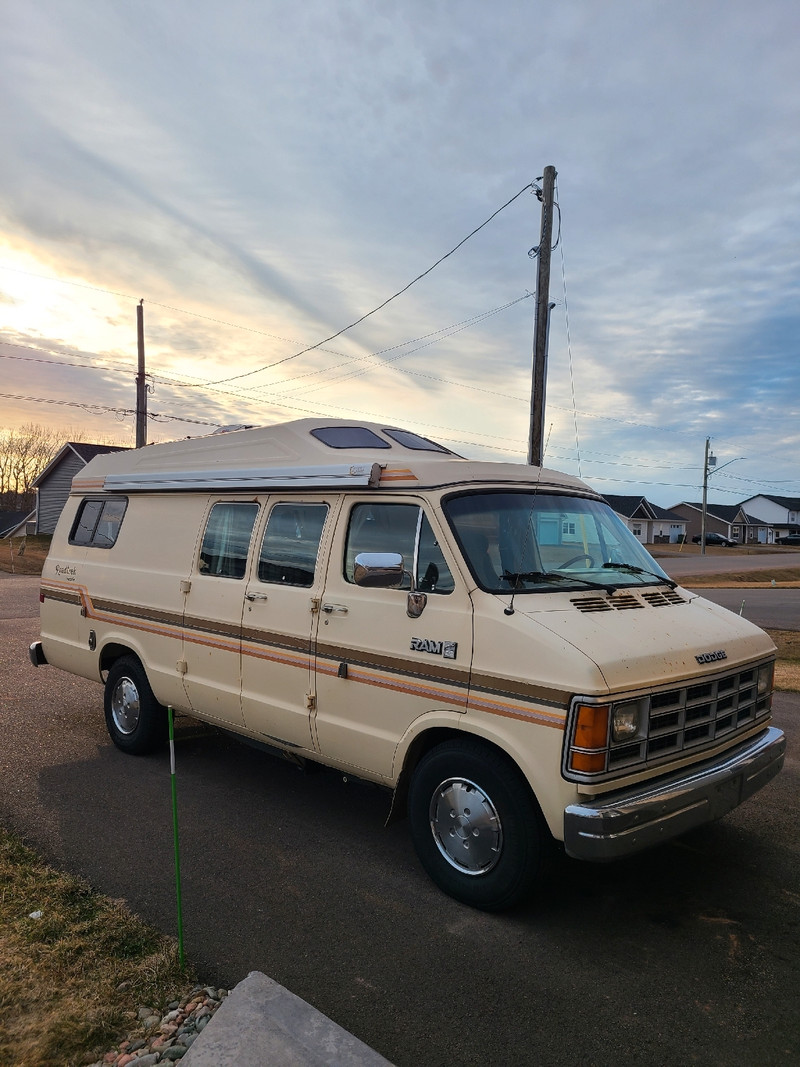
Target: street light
710,461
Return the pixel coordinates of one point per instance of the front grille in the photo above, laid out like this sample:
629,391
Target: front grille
695,716
671,723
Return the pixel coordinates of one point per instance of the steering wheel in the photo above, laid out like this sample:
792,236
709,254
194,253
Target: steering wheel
577,559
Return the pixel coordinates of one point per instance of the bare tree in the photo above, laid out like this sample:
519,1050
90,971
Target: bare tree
24,454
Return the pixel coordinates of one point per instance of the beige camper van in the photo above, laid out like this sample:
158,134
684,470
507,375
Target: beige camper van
486,640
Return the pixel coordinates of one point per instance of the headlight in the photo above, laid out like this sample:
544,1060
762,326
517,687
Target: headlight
625,721
765,675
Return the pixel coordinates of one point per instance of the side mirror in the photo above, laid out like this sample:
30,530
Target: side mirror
378,570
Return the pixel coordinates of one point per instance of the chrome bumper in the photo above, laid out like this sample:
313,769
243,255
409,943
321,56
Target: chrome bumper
651,812
36,653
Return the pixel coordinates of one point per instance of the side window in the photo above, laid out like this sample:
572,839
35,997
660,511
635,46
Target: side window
226,540
393,528
382,528
433,574
291,541
98,522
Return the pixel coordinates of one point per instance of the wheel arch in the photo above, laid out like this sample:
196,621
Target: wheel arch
114,651
428,739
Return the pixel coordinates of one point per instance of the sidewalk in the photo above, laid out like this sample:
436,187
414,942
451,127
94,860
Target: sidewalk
262,1024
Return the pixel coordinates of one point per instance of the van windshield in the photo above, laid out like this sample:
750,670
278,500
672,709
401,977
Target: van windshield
538,542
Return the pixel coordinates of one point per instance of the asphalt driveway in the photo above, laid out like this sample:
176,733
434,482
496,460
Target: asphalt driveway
687,954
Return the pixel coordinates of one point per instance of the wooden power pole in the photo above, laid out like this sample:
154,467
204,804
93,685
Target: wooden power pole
542,322
141,384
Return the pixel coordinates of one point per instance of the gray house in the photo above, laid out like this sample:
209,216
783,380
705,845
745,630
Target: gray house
54,483
730,520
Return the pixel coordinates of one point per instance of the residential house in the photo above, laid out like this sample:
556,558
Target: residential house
730,520
54,483
782,513
649,523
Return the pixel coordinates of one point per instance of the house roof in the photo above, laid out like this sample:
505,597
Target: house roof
87,451
630,505
83,450
10,520
730,513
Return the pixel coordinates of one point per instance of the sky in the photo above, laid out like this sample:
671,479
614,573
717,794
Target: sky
263,174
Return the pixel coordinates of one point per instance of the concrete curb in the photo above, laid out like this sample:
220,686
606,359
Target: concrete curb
262,1024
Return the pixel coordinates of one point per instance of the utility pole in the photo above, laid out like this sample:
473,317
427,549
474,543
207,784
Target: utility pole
542,323
709,461
141,385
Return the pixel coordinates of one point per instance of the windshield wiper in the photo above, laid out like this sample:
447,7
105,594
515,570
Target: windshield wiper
514,577
631,568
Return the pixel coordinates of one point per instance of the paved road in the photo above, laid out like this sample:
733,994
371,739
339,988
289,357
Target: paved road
687,954
774,609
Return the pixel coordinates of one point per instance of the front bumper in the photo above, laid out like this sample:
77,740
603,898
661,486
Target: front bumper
649,813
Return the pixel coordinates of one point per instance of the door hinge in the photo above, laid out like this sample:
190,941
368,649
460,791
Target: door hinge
186,585
311,701
315,602
181,666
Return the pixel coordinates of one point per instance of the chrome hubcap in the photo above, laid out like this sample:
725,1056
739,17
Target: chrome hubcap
125,706
465,826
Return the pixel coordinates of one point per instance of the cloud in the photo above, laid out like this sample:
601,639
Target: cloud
285,169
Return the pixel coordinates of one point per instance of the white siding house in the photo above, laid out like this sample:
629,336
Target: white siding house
782,513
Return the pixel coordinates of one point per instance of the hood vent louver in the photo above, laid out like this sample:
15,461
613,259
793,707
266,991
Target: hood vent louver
627,601
663,598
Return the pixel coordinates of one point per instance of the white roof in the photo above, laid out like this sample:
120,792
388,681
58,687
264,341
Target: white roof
300,454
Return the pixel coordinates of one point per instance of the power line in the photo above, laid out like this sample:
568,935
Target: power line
394,296
102,409
55,362
449,331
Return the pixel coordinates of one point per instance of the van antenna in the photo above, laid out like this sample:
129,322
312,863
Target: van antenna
510,609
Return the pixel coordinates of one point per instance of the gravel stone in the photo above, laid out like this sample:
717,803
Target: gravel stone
162,1039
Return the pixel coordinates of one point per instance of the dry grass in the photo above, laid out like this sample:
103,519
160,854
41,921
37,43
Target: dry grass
787,577
787,669
71,980
23,555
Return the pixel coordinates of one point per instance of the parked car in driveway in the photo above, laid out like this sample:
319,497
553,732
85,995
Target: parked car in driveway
715,539
788,539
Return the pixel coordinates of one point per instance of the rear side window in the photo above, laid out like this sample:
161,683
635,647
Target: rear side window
226,541
98,522
291,542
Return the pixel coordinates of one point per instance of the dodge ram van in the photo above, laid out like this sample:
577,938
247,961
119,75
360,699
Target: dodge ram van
486,640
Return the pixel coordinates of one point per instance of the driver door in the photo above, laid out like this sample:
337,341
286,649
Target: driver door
378,669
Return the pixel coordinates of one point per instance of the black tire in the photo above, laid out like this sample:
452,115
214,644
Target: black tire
476,826
135,720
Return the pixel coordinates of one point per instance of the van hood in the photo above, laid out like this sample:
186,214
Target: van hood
650,639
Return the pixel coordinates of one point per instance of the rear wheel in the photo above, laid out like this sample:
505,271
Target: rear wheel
135,720
476,826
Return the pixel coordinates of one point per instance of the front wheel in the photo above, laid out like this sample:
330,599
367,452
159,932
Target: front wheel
476,826
135,720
